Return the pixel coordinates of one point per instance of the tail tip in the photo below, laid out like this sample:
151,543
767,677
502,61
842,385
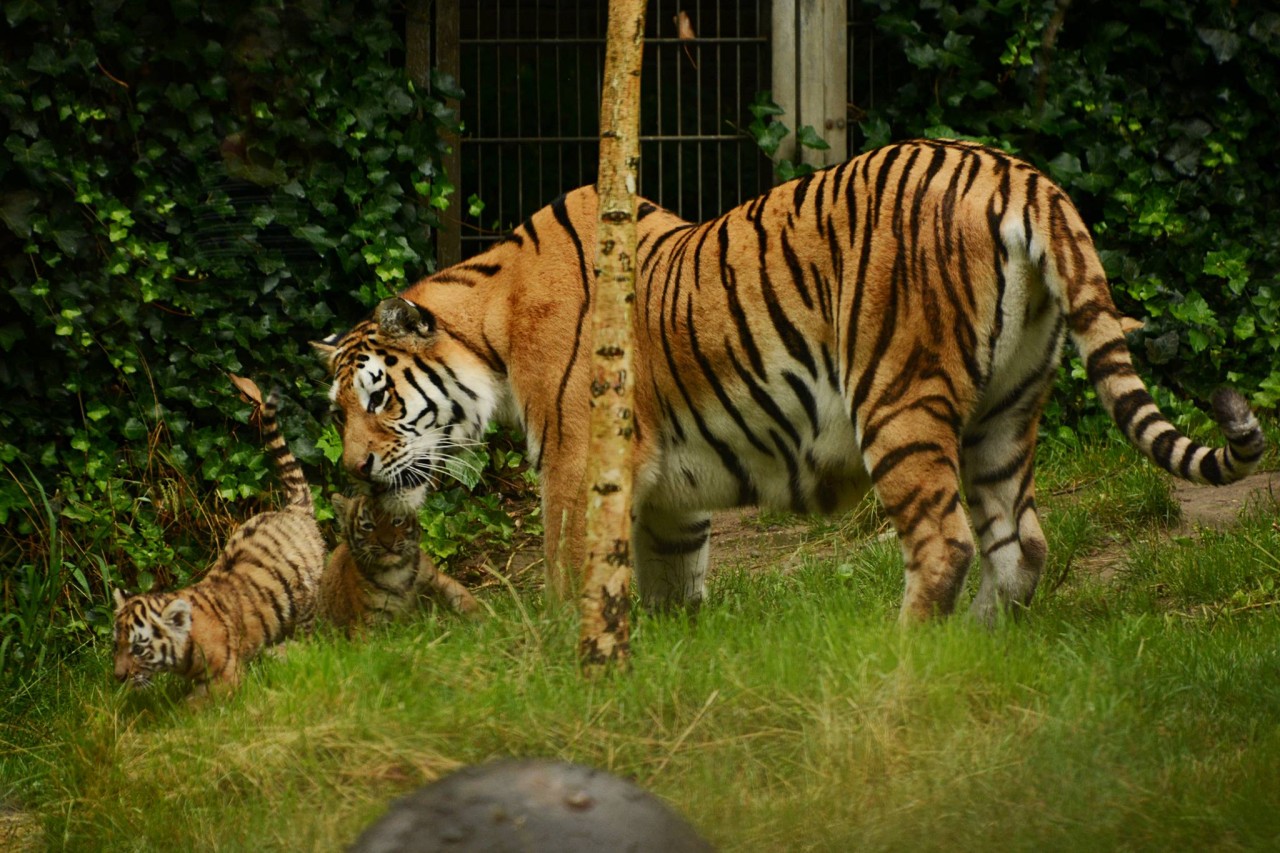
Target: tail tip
1231,410
1237,421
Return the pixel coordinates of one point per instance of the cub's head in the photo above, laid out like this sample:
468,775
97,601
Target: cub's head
152,634
406,394
377,528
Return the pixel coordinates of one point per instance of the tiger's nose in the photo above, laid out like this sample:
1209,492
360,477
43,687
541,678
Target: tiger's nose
359,459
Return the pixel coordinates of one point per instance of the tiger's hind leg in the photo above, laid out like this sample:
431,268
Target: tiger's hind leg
670,551
1000,486
914,467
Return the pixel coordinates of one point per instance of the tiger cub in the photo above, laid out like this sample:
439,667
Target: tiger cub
260,590
378,572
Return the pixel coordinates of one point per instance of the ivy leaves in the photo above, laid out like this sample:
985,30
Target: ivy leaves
184,190
768,131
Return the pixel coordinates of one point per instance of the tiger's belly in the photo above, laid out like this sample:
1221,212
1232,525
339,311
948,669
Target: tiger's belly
795,457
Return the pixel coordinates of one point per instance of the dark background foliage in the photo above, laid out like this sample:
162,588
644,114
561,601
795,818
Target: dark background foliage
187,194
190,188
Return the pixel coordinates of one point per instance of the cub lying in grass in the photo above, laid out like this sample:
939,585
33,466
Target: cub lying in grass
378,572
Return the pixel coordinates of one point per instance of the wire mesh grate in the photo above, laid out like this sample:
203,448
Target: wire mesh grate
532,73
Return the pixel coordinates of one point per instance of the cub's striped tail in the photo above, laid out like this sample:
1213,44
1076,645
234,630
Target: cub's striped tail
1076,273
297,492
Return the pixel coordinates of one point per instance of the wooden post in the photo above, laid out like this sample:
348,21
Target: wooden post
810,70
784,70
417,43
449,238
605,636
417,60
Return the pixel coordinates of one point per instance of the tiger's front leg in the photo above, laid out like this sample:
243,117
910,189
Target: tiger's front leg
670,550
564,508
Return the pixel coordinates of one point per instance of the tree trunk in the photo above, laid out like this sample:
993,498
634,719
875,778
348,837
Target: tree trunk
606,591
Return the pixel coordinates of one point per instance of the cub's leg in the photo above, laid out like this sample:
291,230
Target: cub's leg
434,583
216,684
670,551
914,467
999,481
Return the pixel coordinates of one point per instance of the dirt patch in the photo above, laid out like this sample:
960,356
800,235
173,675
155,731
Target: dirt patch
754,539
1200,508
760,539
19,830
750,539
742,538
1218,507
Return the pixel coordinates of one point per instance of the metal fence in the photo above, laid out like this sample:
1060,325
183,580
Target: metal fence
875,68
532,72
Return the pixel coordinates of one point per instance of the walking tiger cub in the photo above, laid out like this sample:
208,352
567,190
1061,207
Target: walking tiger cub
892,323
378,572
260,590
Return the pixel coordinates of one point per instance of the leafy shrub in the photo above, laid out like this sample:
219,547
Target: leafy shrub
189,189
768,130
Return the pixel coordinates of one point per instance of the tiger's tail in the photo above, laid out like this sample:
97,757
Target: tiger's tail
1074,271
297,491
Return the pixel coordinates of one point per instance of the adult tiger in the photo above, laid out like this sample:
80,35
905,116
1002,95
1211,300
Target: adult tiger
894,322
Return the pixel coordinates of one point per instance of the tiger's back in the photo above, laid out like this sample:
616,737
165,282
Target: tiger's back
378,572
893,323
260,590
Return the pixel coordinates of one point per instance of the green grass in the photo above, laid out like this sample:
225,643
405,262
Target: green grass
1136,708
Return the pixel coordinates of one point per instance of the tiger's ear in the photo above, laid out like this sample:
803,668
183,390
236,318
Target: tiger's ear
120,599
326,348
177,614
398,318
341,513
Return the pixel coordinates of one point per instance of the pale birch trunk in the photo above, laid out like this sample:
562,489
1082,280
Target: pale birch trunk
606,587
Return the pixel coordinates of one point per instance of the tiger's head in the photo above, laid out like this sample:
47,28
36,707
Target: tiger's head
377,529
406,394
152,634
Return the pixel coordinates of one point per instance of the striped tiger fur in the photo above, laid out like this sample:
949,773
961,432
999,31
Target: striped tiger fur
260,590
378,572
892,323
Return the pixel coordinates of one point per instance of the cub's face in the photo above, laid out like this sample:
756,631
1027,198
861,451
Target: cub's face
151,636
378,528
406,395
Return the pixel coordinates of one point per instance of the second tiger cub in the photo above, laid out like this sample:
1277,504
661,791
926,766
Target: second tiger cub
260,591
378,572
